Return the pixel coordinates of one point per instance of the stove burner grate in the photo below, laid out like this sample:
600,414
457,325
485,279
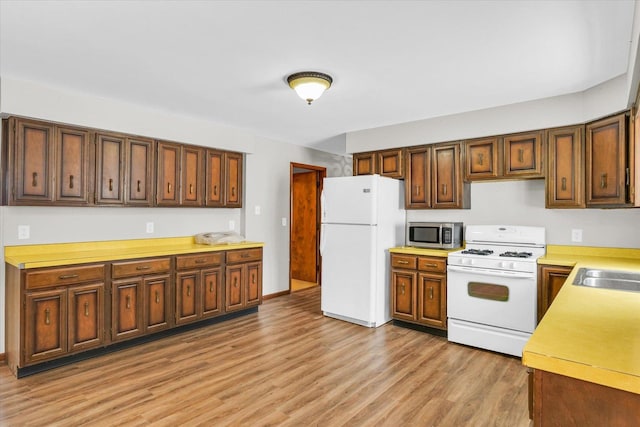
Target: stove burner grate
516,254
477,251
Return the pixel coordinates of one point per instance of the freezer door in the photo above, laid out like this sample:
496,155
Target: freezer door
348,273
350,200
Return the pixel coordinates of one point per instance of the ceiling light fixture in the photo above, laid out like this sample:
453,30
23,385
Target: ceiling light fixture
309,85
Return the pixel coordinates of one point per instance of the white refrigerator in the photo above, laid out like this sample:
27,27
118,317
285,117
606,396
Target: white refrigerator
362,217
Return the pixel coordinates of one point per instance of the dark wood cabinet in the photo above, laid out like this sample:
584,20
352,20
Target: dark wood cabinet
482,160
233,180
417,185
389,163
565,168
215,178
110,163
364,163
607,162
550,280
86,316
448,189
243,279
74,158
45,325
192,176
157,303
523,155
419,290
168,174
199,280
139,172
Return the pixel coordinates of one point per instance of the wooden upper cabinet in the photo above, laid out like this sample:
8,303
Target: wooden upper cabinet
110,161
168,174
139,172
233,177
449,191
215,178
606,161
391,163
417,185
364,163
565,168
523,155
32,151
482,159
73,166
192,176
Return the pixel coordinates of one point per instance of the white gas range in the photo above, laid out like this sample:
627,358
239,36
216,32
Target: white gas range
492,287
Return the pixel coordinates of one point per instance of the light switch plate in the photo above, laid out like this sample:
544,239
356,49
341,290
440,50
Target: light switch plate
24,232
150,227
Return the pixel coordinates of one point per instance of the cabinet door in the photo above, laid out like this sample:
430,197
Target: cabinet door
432,300
34,163
192,176
403,284
233,178
139,172
45,333
364,163
110,161
234,289
86,316
449,192
565,172
126,309
73,160
187,289
212,292
418,178
606,162
157,304
168,174
550,280
253,292
523,155
481,160
215,183
391,163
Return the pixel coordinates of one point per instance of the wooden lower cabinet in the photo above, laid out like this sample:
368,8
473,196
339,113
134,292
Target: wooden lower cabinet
198,287
419,290
243,279
550,280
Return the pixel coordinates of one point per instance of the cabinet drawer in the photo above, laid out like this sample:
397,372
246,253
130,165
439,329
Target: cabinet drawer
403,261
244,255
136,268
184,262
63,276
438,265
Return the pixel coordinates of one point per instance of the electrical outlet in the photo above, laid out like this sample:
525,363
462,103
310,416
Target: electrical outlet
232,225
257,210
576,235
284,221
150,227
24,232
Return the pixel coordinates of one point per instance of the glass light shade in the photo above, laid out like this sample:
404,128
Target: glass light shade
309,85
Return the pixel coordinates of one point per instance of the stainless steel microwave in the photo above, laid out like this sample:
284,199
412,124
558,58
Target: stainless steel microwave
440,235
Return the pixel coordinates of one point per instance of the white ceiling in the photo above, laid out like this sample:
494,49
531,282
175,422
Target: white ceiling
392,61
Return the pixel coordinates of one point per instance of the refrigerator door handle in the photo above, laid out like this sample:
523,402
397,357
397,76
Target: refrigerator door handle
323,206
323,239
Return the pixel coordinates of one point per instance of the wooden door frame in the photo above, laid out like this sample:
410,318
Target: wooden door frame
321,172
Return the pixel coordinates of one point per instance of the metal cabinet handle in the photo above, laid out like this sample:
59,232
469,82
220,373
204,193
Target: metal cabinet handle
521,155
128,302
188,290
201,261
34,182
431,265
253,278
480,158
190,188
142,267
110,184
235,282
70,181
402,289
138,187
211,286
157,297
430,292
47,320
444,189
402,262
563,186
215,190
86,309
603,180
417,190
67,276
245,255
233,191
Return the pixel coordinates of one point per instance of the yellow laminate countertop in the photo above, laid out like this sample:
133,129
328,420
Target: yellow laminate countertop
410,250
587,333
50,255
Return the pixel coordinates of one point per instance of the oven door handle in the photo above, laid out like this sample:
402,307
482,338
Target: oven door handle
487,272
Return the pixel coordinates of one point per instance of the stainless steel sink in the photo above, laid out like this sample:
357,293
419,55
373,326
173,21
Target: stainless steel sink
608,279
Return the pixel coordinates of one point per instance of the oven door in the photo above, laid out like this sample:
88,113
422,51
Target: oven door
502,299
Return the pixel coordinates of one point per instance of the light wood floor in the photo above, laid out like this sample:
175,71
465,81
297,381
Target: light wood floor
299,285
286,365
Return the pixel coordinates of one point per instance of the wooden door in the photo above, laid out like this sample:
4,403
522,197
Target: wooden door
432,300
34,163
233,180
86,316
391,163
139,172
606,161
187,287
403,295
234,289
168,174
215,178
481,160
192,176
253,292
73,160
211,291
126,309
565,170
418,178
523,155
110,161
550,280
45,333
364,163
157,304
304,219
449,192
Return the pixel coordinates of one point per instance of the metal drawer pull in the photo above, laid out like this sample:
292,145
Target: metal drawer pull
143,267
402,289
480,158
564,184
34,182
157,297
128,302
431,265
444,189
430,292
603,180
245,255
86,309
521,155
67,276
402,262
110,184
70,181
47,320
138,187
168,187
201,261
188,290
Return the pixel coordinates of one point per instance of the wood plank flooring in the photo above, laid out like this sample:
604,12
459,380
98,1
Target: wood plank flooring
286,365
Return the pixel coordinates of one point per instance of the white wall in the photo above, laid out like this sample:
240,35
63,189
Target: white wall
266,181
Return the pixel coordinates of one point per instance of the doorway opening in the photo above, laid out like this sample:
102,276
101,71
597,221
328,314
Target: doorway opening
304,236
